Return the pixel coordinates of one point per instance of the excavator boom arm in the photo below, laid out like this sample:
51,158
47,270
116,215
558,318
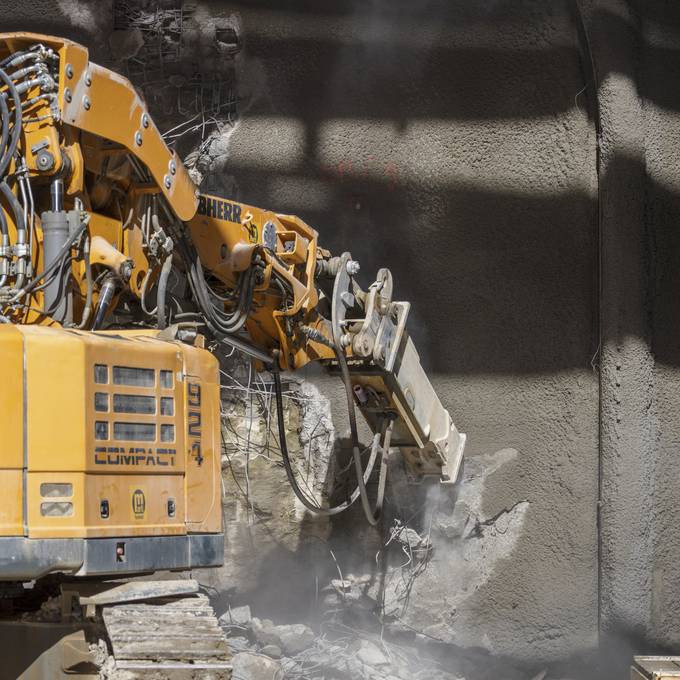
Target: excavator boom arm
125,228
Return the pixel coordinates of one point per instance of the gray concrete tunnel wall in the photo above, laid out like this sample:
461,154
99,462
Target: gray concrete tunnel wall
457,144
450,145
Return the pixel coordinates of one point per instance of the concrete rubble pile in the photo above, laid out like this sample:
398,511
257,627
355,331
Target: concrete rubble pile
265,651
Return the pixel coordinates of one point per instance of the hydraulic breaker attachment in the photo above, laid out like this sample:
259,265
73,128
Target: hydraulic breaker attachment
388,380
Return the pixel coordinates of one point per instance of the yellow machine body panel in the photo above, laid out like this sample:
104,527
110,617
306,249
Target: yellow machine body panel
204,443
11,443
112,434
10,509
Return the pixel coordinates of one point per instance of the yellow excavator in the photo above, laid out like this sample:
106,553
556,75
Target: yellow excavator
121,286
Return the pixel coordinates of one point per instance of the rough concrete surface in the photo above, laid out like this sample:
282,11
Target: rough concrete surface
516,166
449,144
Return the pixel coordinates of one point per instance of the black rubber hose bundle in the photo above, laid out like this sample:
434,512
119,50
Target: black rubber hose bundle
16,128
8,147
221,323
384,432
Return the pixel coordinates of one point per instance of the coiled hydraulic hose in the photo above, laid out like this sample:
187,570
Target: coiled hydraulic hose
288,466
384,432
372,514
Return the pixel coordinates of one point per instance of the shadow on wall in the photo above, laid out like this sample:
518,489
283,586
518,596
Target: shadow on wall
469,171
487,217
498,282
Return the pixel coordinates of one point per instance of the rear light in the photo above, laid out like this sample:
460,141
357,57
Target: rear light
54,490
56,509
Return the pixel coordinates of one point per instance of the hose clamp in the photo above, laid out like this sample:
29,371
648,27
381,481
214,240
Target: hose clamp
21,250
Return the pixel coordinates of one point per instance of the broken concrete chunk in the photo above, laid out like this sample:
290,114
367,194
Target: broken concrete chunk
371,654
295,638
236,616
239,644
417,545
272,651
454,526
265,632
251,666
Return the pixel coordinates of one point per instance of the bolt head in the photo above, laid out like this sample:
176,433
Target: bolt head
145,120
173,167
353,267
138,138
45,161
86,103
67,95
167,181
88,79
69,71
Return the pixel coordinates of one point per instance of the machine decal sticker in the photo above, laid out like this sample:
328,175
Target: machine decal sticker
194,420
219,209
119,455
251,228
138,504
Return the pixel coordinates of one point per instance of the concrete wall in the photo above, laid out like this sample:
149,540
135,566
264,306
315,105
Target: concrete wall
457,143
454,145
635,49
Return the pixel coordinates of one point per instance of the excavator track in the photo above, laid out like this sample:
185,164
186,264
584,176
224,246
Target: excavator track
172,637
154,629
117,630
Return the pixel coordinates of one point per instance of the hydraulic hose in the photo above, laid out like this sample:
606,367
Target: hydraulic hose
16,129
17,58
16,207
162,288
87,310
106,295
142,294
4,230
219,322
342,280
372,515
21,232
4,115
8,149
287,464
